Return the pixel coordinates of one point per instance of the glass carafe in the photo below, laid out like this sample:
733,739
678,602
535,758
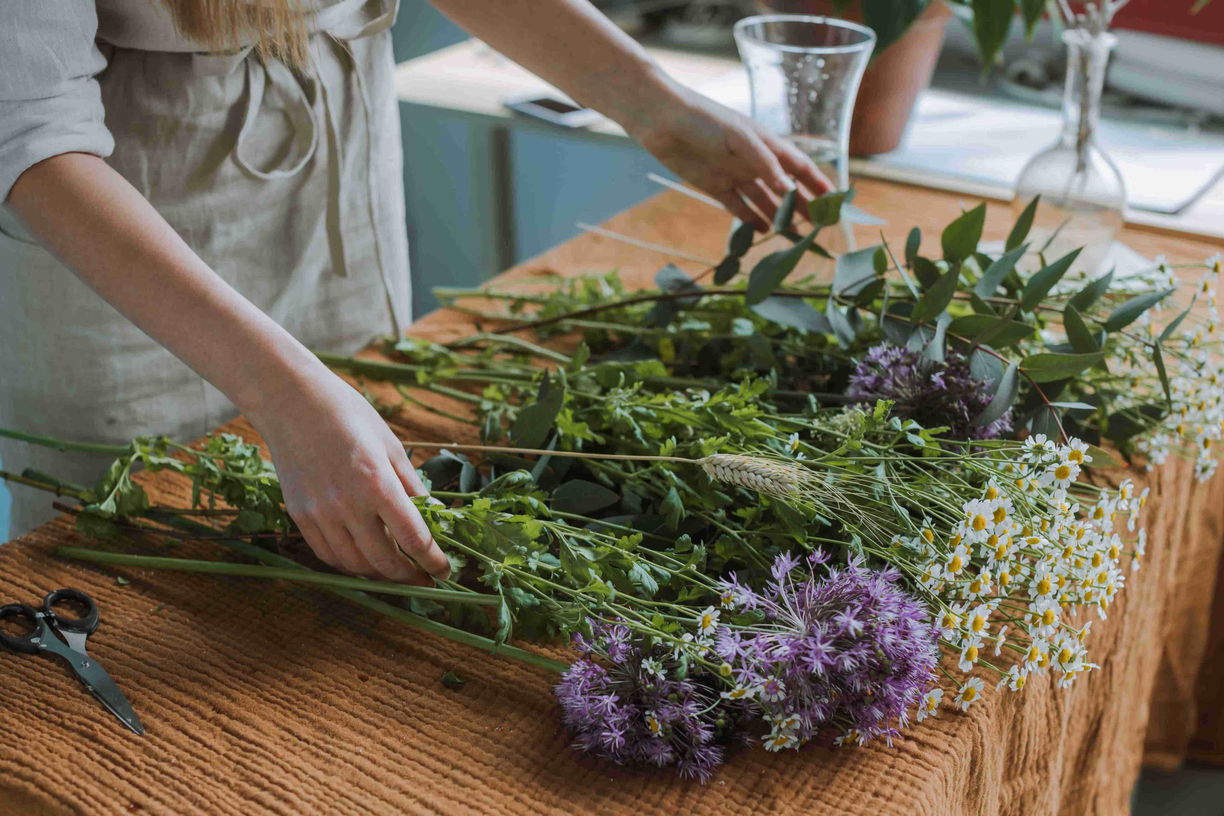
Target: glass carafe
1083,197
804,74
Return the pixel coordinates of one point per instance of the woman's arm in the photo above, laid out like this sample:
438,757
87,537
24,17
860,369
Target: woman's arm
343,472
570,44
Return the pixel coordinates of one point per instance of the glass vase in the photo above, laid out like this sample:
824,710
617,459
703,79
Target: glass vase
804,73
1083,196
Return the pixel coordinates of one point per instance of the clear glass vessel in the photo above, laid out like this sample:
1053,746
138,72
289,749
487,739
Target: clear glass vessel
1083,196
804,73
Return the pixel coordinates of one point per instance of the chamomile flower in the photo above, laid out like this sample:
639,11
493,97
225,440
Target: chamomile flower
929,707
970,692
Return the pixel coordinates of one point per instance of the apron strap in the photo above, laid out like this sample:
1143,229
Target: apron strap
306,133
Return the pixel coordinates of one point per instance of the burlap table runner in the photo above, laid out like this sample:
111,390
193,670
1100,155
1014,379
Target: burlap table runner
270,697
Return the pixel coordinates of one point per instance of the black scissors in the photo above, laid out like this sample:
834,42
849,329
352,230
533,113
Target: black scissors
58,634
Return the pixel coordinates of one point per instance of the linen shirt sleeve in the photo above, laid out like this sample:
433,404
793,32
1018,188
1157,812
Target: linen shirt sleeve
50,101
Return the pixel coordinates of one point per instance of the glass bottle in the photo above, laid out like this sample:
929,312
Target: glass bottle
1083,197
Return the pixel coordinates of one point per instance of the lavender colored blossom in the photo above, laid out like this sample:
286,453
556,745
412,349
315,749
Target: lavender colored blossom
851,649
627,701
932,393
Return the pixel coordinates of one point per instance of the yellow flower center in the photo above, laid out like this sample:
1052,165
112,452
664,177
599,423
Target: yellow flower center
992,492
955,564
1000,514
1076,456
969,695
1043,586
1048,617
1062,472
971,654
1064,656
979,523
979,622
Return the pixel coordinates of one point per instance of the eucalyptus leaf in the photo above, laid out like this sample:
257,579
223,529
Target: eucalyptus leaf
1051,366
853,271
960,238
936,299
583,497
1091,293
852,214
771,270
793,312
740,239
1043,280
825,210
786,210
1158,361
912,242
935,348
990,330
727,269
1078,333
1172,327
1129,311
1003,399
840,324
991,22
1024,223
999,269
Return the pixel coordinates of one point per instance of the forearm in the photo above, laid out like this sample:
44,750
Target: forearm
113,239
570,44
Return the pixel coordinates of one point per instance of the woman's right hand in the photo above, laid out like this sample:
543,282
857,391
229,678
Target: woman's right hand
347,480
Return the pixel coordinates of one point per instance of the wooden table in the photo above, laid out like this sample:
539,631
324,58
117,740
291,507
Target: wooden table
271,698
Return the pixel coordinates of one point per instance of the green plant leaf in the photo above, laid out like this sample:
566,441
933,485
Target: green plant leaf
1091,293
1032,10
1024,223
583,497
889,19
1158,361
935,348
534,421
1003,399
986,367
1101,458
825,211
999,269
857,215
793,312
1172,327
740,239
936,299
786,210
988,329
912,242
1048,366
991,22
842,329
1079,335
960,238
854,270
727,269
771,270
1043,281
1129,311
1045,421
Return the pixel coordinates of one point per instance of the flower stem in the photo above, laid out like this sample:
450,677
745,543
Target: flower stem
301,574
66,445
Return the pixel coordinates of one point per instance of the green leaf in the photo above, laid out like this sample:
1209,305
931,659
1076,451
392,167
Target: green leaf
740,239
583,497
988,329
926,271
1045,421
1091,293
991,22
1158,361
673,509
1050,366
1101,458
505,621
912,242
534,421
727,269
786,210
935,348
842,328
986,367
771,270
1032,11
1078,333
890,19
960,238
854,270
1024,223
1043,281
640,577
1172,327
856,215
825,211
1004,397
999,269
1129,311
936,299
792,312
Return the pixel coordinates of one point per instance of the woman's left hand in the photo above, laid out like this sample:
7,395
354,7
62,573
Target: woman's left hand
724,154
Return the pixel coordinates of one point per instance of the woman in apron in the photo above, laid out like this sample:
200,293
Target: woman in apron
196,193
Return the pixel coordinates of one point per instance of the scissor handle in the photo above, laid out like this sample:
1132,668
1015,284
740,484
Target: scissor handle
87,624
29,643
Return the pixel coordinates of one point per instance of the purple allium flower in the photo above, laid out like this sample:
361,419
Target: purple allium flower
627,700
932,393
850,649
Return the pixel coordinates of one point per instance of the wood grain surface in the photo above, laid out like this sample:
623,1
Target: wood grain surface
273,698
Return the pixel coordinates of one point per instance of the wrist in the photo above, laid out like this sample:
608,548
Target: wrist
638,100
282,384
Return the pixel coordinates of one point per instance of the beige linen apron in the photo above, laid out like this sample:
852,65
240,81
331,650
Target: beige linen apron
287,182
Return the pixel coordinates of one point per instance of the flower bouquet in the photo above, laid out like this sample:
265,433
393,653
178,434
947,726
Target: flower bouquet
786,510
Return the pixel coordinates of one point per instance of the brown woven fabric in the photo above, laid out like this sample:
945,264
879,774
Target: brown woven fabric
274,698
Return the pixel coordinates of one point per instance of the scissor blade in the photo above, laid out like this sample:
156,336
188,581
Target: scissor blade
103,687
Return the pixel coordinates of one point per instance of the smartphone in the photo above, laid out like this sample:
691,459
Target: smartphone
552,110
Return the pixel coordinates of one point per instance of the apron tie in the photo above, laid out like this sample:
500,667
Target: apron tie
338,24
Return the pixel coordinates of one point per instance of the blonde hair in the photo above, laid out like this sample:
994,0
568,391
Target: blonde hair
278,26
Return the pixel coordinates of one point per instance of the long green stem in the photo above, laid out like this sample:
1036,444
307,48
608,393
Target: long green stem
627,457
302,575
66,445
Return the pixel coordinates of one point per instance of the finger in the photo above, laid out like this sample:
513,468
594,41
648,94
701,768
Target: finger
736,205
765,165
801,166
409,530
407,474
388,561
318,543
347,552
755,192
